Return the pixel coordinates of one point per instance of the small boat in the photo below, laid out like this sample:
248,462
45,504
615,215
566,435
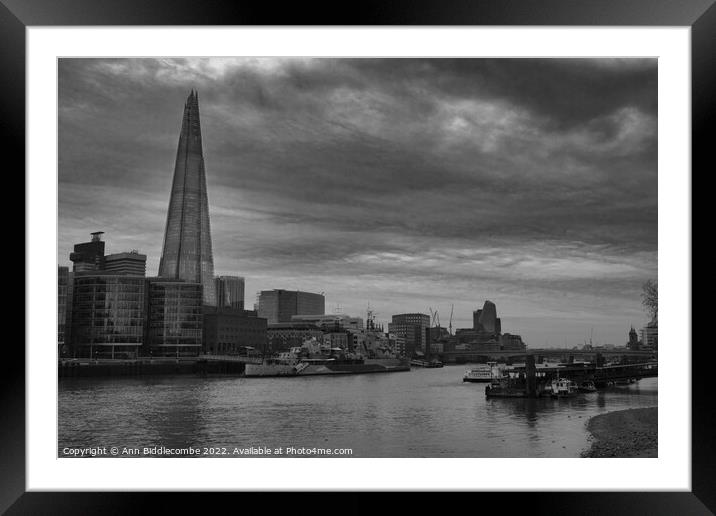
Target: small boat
563,388
480,373
587,386
424,363
624,381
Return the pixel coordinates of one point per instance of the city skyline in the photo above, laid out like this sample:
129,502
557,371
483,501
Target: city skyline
409,184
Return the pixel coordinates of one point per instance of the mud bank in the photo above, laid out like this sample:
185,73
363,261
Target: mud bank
624,433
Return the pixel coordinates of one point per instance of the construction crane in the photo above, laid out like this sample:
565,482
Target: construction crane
434,321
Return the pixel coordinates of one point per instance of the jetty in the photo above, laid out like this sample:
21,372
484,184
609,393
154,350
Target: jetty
530,381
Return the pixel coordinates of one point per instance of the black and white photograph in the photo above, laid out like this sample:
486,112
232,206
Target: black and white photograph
357,257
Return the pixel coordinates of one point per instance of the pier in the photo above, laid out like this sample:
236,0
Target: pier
530,381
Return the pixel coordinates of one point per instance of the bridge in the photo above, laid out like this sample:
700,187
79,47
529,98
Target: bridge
540,354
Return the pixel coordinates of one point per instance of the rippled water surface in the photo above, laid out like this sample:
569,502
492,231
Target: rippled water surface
420,413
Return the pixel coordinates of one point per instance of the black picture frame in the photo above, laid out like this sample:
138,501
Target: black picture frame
700,15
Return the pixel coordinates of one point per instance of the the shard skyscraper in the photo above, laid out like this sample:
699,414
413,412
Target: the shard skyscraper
186,253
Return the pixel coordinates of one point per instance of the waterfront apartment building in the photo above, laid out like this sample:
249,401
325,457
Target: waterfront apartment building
232,332
131,263
279,306
174,318
229,292
411,327
107,315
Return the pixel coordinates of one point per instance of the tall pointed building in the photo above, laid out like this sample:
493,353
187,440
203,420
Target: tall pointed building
187,253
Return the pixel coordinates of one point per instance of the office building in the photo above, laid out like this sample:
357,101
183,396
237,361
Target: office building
131,263
174,317
229,292
486,320
233,332
107,315
411,328
65,350
486,332
89,256
278,306
187,250
63,287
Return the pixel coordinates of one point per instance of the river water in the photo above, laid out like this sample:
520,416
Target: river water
420,413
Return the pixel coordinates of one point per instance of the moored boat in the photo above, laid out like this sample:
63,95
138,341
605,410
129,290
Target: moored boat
479,373
563,388
325,366
424,363
587,386
300,361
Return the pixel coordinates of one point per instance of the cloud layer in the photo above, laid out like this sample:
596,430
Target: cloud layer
403,183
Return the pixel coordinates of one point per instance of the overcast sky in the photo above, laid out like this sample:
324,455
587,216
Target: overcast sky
406,184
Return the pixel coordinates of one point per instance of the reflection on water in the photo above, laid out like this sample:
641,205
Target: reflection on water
421,413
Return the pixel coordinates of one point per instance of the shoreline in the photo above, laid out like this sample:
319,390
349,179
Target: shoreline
624,433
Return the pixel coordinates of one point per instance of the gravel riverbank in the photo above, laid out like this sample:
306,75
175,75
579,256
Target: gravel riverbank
624,433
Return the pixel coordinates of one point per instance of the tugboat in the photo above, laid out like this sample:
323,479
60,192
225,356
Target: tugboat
564,388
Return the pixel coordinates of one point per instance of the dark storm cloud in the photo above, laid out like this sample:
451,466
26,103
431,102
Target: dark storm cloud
520,179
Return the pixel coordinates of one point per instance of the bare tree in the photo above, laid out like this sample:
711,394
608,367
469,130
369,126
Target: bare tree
650,298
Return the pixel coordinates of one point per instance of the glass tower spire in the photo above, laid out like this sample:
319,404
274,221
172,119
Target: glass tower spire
186,253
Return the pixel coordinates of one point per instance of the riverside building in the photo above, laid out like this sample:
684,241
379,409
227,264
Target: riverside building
410,329
106,307
107,315
64,286
174,317
233,332
279,306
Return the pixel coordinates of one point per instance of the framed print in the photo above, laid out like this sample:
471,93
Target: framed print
249,215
